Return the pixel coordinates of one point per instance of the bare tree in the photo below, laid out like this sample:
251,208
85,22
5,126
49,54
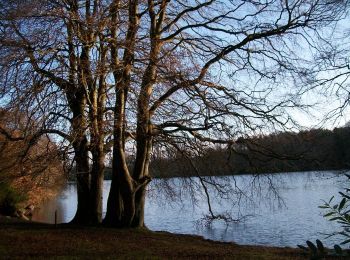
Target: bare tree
134,75
30,163
46,66
329,76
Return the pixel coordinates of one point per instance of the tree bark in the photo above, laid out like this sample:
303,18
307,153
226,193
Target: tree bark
77,102
83,188
97,109
121,200
96,190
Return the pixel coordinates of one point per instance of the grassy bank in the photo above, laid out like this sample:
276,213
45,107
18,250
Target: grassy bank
19,239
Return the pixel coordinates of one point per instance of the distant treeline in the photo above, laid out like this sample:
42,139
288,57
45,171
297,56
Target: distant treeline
316,149
313,150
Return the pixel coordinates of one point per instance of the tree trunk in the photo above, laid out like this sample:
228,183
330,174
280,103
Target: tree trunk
77,101
125,207
121,201
139,218
97,108
143,176
125,202
83,187
96,192
121,205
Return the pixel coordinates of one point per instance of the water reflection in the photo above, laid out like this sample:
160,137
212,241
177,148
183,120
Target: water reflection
65,204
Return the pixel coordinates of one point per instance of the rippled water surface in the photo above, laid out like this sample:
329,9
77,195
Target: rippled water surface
279,209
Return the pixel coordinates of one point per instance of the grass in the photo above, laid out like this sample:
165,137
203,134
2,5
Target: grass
24,240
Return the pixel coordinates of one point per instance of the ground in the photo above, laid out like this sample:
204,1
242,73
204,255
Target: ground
23,240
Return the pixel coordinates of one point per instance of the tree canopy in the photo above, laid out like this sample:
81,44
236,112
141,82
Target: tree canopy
117,77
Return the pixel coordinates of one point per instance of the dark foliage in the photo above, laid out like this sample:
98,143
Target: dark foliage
317,149
9,200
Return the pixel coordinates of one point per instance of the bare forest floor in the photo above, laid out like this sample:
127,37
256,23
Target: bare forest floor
23,240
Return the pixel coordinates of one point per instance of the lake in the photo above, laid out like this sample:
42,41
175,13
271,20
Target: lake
274,209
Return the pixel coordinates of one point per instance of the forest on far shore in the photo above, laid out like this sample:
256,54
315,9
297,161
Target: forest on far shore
312,150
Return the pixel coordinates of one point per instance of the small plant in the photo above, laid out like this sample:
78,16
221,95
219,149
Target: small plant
340,212
318,251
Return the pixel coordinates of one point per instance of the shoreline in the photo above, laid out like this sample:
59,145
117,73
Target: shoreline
24,240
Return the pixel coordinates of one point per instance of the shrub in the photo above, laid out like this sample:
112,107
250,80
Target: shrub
340,212
9,200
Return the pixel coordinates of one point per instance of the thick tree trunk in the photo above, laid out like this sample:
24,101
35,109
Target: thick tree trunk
125,208
139,218
98,164
77,101
97,108
121,204
83,187
142,175
126,200
96,190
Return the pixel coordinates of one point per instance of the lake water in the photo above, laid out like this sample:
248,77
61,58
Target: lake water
279,209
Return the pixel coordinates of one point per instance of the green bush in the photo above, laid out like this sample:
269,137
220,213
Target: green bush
9,199
340,212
